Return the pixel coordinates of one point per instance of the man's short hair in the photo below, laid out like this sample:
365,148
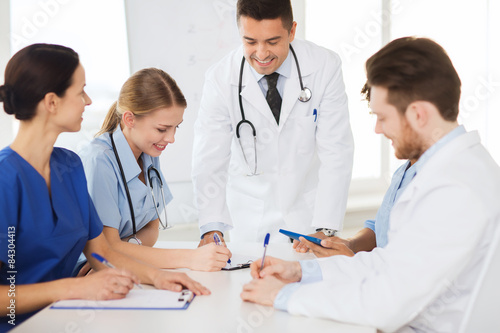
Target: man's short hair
413,69
266,10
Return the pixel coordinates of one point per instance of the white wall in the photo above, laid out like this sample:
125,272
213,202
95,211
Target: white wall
5,119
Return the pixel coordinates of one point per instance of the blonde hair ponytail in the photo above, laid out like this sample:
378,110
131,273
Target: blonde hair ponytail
145,91
111,121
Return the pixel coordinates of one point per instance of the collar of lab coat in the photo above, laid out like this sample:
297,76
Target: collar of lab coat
252,93
438,158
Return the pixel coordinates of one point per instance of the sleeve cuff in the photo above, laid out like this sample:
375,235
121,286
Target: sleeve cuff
370,224
311,271
214,226
284,295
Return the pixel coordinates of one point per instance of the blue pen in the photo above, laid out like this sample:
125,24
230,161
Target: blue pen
266,242
217,242
107,263
315,114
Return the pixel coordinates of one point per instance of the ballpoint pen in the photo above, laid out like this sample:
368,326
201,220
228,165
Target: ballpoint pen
266,242
107,263
217,242
315,114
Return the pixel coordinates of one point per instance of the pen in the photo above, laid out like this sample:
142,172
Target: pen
217,242
315,114
266,242
107,263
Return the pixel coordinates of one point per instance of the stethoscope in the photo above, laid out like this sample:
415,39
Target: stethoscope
151,169
304,96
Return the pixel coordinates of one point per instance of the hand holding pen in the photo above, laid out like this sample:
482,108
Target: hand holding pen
108,264
175,281
217,241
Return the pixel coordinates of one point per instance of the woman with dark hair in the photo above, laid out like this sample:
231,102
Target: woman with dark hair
46,215
123,171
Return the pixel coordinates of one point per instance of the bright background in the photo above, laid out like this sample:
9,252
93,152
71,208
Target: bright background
116,38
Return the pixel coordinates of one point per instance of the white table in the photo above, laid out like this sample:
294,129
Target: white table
222,311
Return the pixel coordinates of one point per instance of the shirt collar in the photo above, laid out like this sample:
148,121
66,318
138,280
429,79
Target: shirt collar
284,69
129,164
147,161
456,132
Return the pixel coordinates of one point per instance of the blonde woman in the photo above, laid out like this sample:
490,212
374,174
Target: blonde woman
125,180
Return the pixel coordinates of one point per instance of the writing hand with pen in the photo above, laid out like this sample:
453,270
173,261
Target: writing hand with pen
122,280
216,252
269,276
105,284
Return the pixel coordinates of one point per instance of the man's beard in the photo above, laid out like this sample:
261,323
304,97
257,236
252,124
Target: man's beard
411,146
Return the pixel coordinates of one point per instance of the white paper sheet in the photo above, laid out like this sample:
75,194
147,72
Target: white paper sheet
146,299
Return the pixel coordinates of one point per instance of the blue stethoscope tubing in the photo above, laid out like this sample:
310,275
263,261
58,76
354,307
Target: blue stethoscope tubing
305,96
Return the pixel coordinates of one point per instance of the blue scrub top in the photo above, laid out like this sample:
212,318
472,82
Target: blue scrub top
108,191
50,230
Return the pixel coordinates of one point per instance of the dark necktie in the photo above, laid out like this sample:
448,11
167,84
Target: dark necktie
273,97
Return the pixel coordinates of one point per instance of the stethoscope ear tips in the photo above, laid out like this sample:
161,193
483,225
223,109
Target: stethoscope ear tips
305,95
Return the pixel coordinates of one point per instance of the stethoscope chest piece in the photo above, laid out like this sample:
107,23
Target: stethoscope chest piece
305,95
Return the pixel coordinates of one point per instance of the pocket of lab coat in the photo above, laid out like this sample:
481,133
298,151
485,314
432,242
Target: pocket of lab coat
302,133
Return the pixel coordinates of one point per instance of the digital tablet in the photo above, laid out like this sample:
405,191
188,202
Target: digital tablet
296,236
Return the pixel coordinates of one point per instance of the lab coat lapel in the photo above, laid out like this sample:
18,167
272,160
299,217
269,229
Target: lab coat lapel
252,95
425,174
292,88
290,96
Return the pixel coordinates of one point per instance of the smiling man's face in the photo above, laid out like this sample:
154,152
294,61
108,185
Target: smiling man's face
265,43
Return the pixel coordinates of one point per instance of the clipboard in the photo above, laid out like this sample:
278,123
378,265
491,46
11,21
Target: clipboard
233,267
136,299
238,261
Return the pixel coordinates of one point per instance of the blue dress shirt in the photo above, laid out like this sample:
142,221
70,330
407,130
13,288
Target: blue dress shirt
401,178
311,270
48,229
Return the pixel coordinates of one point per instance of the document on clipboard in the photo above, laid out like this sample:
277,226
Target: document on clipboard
136,299
238,261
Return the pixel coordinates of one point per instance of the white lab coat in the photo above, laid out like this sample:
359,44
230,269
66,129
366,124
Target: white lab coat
305,165
441,228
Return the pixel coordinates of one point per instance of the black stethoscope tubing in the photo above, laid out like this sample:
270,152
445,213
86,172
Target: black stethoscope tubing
243,120
306,91
129,199
305,96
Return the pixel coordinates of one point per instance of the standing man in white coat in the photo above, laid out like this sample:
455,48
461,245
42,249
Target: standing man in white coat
289,163
441,227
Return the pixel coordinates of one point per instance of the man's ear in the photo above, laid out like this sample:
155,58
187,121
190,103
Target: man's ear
418,114
291,34
128,119
51,102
